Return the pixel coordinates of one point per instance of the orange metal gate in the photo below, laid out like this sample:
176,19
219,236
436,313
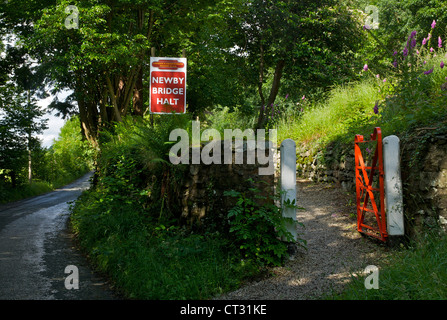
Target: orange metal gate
371,218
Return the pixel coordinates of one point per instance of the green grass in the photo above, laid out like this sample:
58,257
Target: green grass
333,116
36,187
415,273
407,99
25,191
148,260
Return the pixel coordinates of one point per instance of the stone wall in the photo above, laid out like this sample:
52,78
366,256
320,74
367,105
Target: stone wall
424,175
423,169
334,165
203,199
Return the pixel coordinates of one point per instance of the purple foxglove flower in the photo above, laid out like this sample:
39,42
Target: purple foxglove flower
433,25
413,34
431,49
424,41
417,51
413,43
442,64
303,98
395,52
287,95
395,63
439,42
365,67
376,108
405,53
429,71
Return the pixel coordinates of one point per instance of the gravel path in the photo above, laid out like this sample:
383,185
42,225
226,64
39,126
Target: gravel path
335,250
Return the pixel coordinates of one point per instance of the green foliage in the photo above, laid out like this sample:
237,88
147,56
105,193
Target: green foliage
259,229
66,160
417,97
223,118
69,157
411,95
414,273
397,20
147,258
320,122
20,121
303,43
134,165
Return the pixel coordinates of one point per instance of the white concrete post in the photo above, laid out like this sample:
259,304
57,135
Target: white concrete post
288,182
393,186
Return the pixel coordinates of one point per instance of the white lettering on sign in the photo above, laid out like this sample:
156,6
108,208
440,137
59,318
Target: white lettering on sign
167,101
167,80
159,90
167,85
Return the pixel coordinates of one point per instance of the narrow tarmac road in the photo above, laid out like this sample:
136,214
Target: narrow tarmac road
36,247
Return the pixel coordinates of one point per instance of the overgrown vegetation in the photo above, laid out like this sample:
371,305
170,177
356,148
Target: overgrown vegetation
306,68
415,273
409,96
129,223
151,258
258,228
67,159
397,97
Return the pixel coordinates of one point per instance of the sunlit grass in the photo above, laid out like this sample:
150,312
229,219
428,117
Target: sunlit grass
416,273
332,116
25,191
148,260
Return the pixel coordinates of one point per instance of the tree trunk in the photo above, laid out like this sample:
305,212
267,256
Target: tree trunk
113,98
276,83
30,166
260,84
138,95
273,93
13,179
86,123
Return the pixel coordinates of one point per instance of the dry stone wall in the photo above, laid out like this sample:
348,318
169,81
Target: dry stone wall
423,169
203,188
328,165
424,174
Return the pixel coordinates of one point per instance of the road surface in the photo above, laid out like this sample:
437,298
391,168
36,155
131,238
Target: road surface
36,248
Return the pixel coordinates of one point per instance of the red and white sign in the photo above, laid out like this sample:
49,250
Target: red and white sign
167,85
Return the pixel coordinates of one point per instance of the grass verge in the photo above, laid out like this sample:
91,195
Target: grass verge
36,188
148,260
25,191
415,273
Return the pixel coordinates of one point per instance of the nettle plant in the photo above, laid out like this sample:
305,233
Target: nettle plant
258,227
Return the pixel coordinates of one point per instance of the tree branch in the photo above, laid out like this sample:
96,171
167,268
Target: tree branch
113,98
